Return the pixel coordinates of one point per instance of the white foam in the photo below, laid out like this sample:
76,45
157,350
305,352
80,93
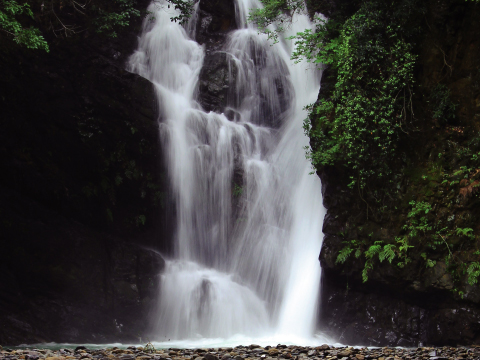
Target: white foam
245,266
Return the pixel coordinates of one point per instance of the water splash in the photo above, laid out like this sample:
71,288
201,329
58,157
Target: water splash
249,214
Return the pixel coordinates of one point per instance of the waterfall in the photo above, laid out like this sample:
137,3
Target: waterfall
249,214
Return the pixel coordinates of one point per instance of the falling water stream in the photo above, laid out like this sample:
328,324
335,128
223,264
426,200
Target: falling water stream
249,214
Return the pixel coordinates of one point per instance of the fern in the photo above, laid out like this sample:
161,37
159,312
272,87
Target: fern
373,250
403,248
366,269
343,255
473,272
388,253
463,232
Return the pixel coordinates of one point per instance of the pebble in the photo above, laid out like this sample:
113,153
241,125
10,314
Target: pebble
250,352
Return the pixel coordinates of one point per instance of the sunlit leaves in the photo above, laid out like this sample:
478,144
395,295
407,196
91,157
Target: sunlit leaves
29,37
275,15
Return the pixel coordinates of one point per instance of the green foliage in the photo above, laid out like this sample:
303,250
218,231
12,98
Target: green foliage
421,232
359,124
403,249
370,253
417,220
441,105
433,234
377,250
387,253
349,247
473,272
185,7
65,18
428,262
115,14
343,254
277,13
464,232
30,37
237,190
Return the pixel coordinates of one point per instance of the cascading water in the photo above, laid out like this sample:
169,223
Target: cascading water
249,214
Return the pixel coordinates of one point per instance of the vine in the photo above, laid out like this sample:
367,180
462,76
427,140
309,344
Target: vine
359,124
422,233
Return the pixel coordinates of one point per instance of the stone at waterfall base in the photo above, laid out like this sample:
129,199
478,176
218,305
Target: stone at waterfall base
251,352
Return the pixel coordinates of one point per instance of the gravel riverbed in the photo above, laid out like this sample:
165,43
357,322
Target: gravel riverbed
250,352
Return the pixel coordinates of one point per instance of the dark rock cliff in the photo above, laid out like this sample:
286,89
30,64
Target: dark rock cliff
416,304
82,192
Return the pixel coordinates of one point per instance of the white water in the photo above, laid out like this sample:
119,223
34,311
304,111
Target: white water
245,265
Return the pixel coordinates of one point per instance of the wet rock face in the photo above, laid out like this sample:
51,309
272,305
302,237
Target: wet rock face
218,87
222,13
69,117
214,82
379,318
390,309
395,308
215,19
414,304
76,286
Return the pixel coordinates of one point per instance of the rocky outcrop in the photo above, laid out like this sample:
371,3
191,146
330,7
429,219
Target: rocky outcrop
415,304
75,285
382,314
215,19
82,192
271,93
214,82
